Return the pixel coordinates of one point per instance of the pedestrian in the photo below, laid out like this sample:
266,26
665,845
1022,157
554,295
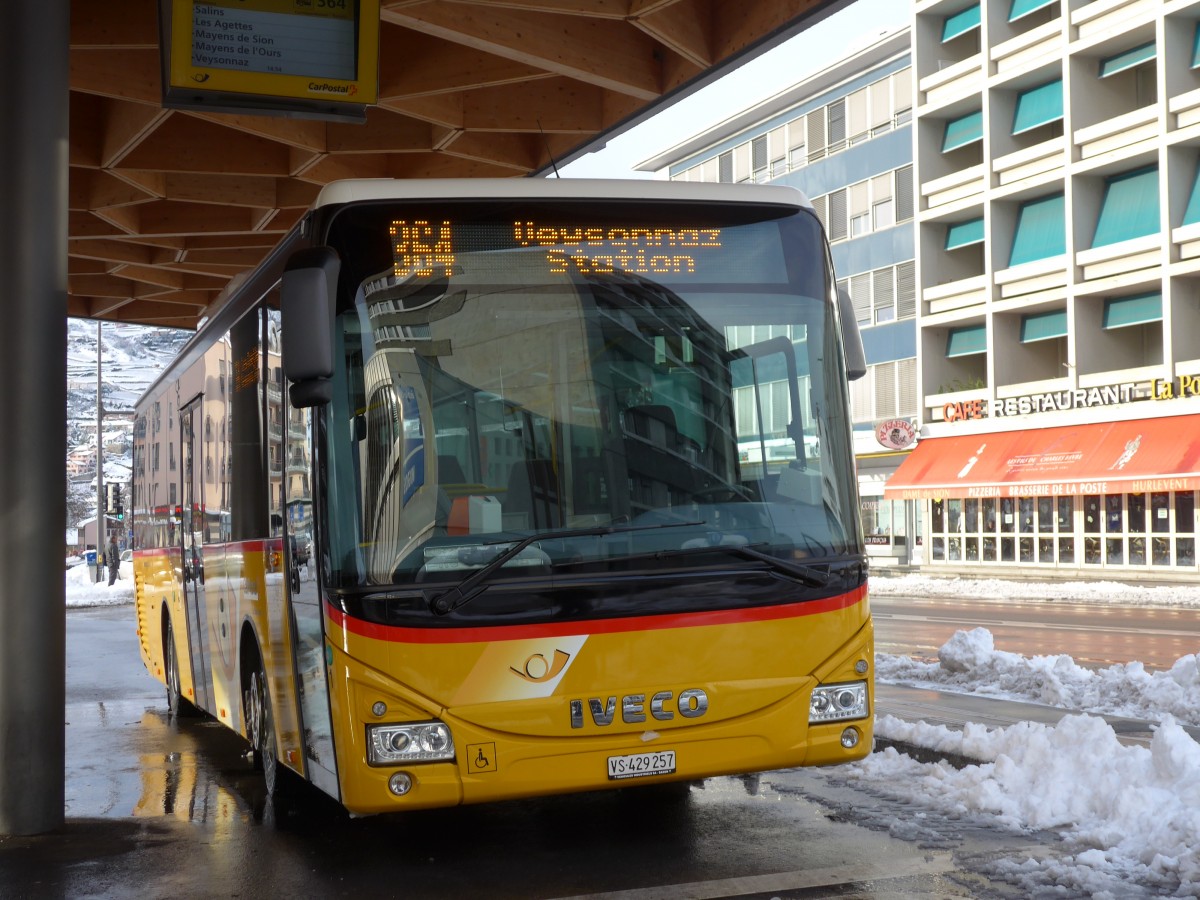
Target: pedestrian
114,561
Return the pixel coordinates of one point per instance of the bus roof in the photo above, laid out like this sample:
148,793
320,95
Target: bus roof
355,190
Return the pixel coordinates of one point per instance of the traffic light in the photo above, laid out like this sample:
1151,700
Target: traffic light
113,503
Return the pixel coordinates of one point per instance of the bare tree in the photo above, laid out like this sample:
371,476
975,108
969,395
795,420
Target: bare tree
81,502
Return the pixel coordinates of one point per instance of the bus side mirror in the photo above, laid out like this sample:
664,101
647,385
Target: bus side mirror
308,292
856,356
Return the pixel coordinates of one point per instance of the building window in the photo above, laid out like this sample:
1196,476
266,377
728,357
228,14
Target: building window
969,340
1038,106
1127,59
1040,232
964,234
1022,8
960,23
884,214
725,167
1130,207
963,131
1139,309
1043,326
904,193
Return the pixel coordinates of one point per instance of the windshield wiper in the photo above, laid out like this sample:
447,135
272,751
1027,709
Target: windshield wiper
475,584
806,574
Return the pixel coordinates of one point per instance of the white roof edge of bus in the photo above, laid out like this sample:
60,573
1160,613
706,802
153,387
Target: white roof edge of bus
358,189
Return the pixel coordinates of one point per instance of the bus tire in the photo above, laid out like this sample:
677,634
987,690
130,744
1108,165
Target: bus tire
178,706
260,729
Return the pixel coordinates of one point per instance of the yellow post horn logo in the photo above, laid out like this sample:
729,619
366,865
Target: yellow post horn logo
538,670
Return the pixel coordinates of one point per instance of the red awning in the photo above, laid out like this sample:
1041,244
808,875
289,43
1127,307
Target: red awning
1102,458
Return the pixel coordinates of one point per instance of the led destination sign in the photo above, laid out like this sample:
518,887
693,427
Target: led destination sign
420,246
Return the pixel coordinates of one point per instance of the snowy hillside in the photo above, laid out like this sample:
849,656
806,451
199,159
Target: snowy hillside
133,356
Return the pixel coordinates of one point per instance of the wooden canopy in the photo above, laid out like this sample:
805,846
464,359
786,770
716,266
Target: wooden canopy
167,205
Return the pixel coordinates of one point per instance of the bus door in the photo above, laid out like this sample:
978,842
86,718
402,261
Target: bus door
192,534
302,551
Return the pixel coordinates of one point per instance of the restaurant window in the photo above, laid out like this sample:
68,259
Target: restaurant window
1091,514
987,508
1025,509
1007,514
1066,529
1185,515
971,530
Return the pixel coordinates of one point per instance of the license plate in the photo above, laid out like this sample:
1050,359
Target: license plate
638,765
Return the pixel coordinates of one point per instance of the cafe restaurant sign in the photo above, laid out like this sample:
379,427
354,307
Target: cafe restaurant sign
1050,401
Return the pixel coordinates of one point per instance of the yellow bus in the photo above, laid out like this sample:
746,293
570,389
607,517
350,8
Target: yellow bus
488,489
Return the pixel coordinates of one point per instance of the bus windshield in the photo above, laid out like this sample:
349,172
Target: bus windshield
639,384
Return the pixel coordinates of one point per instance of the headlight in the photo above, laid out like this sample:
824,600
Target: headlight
834,702
389,745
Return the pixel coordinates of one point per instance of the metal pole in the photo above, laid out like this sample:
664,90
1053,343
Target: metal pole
34,100
101,506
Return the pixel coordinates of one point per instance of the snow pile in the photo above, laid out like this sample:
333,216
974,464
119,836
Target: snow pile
969,663
1129,815
917,585
82,591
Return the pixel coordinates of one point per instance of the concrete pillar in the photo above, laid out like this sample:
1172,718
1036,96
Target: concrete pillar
34,66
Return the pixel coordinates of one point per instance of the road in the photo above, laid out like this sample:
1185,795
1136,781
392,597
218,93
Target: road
1093,634
157,808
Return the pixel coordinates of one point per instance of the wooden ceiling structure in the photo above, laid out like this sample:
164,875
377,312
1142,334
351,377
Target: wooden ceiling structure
167,205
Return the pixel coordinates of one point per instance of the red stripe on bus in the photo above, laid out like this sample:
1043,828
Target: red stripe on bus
403,635
253,546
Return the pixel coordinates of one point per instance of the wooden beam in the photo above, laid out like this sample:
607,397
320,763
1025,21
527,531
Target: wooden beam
93,189
609,54
418,65
99,286
385,132
554,105
123,74
111,251
520,152
225,190
190,144
197,242
348,165
686,27
598,9
302,133
115,25
125,126
443,165
174,279
79,266
445,110
151,182
182,219
126,218
85,224
227,257
739,24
